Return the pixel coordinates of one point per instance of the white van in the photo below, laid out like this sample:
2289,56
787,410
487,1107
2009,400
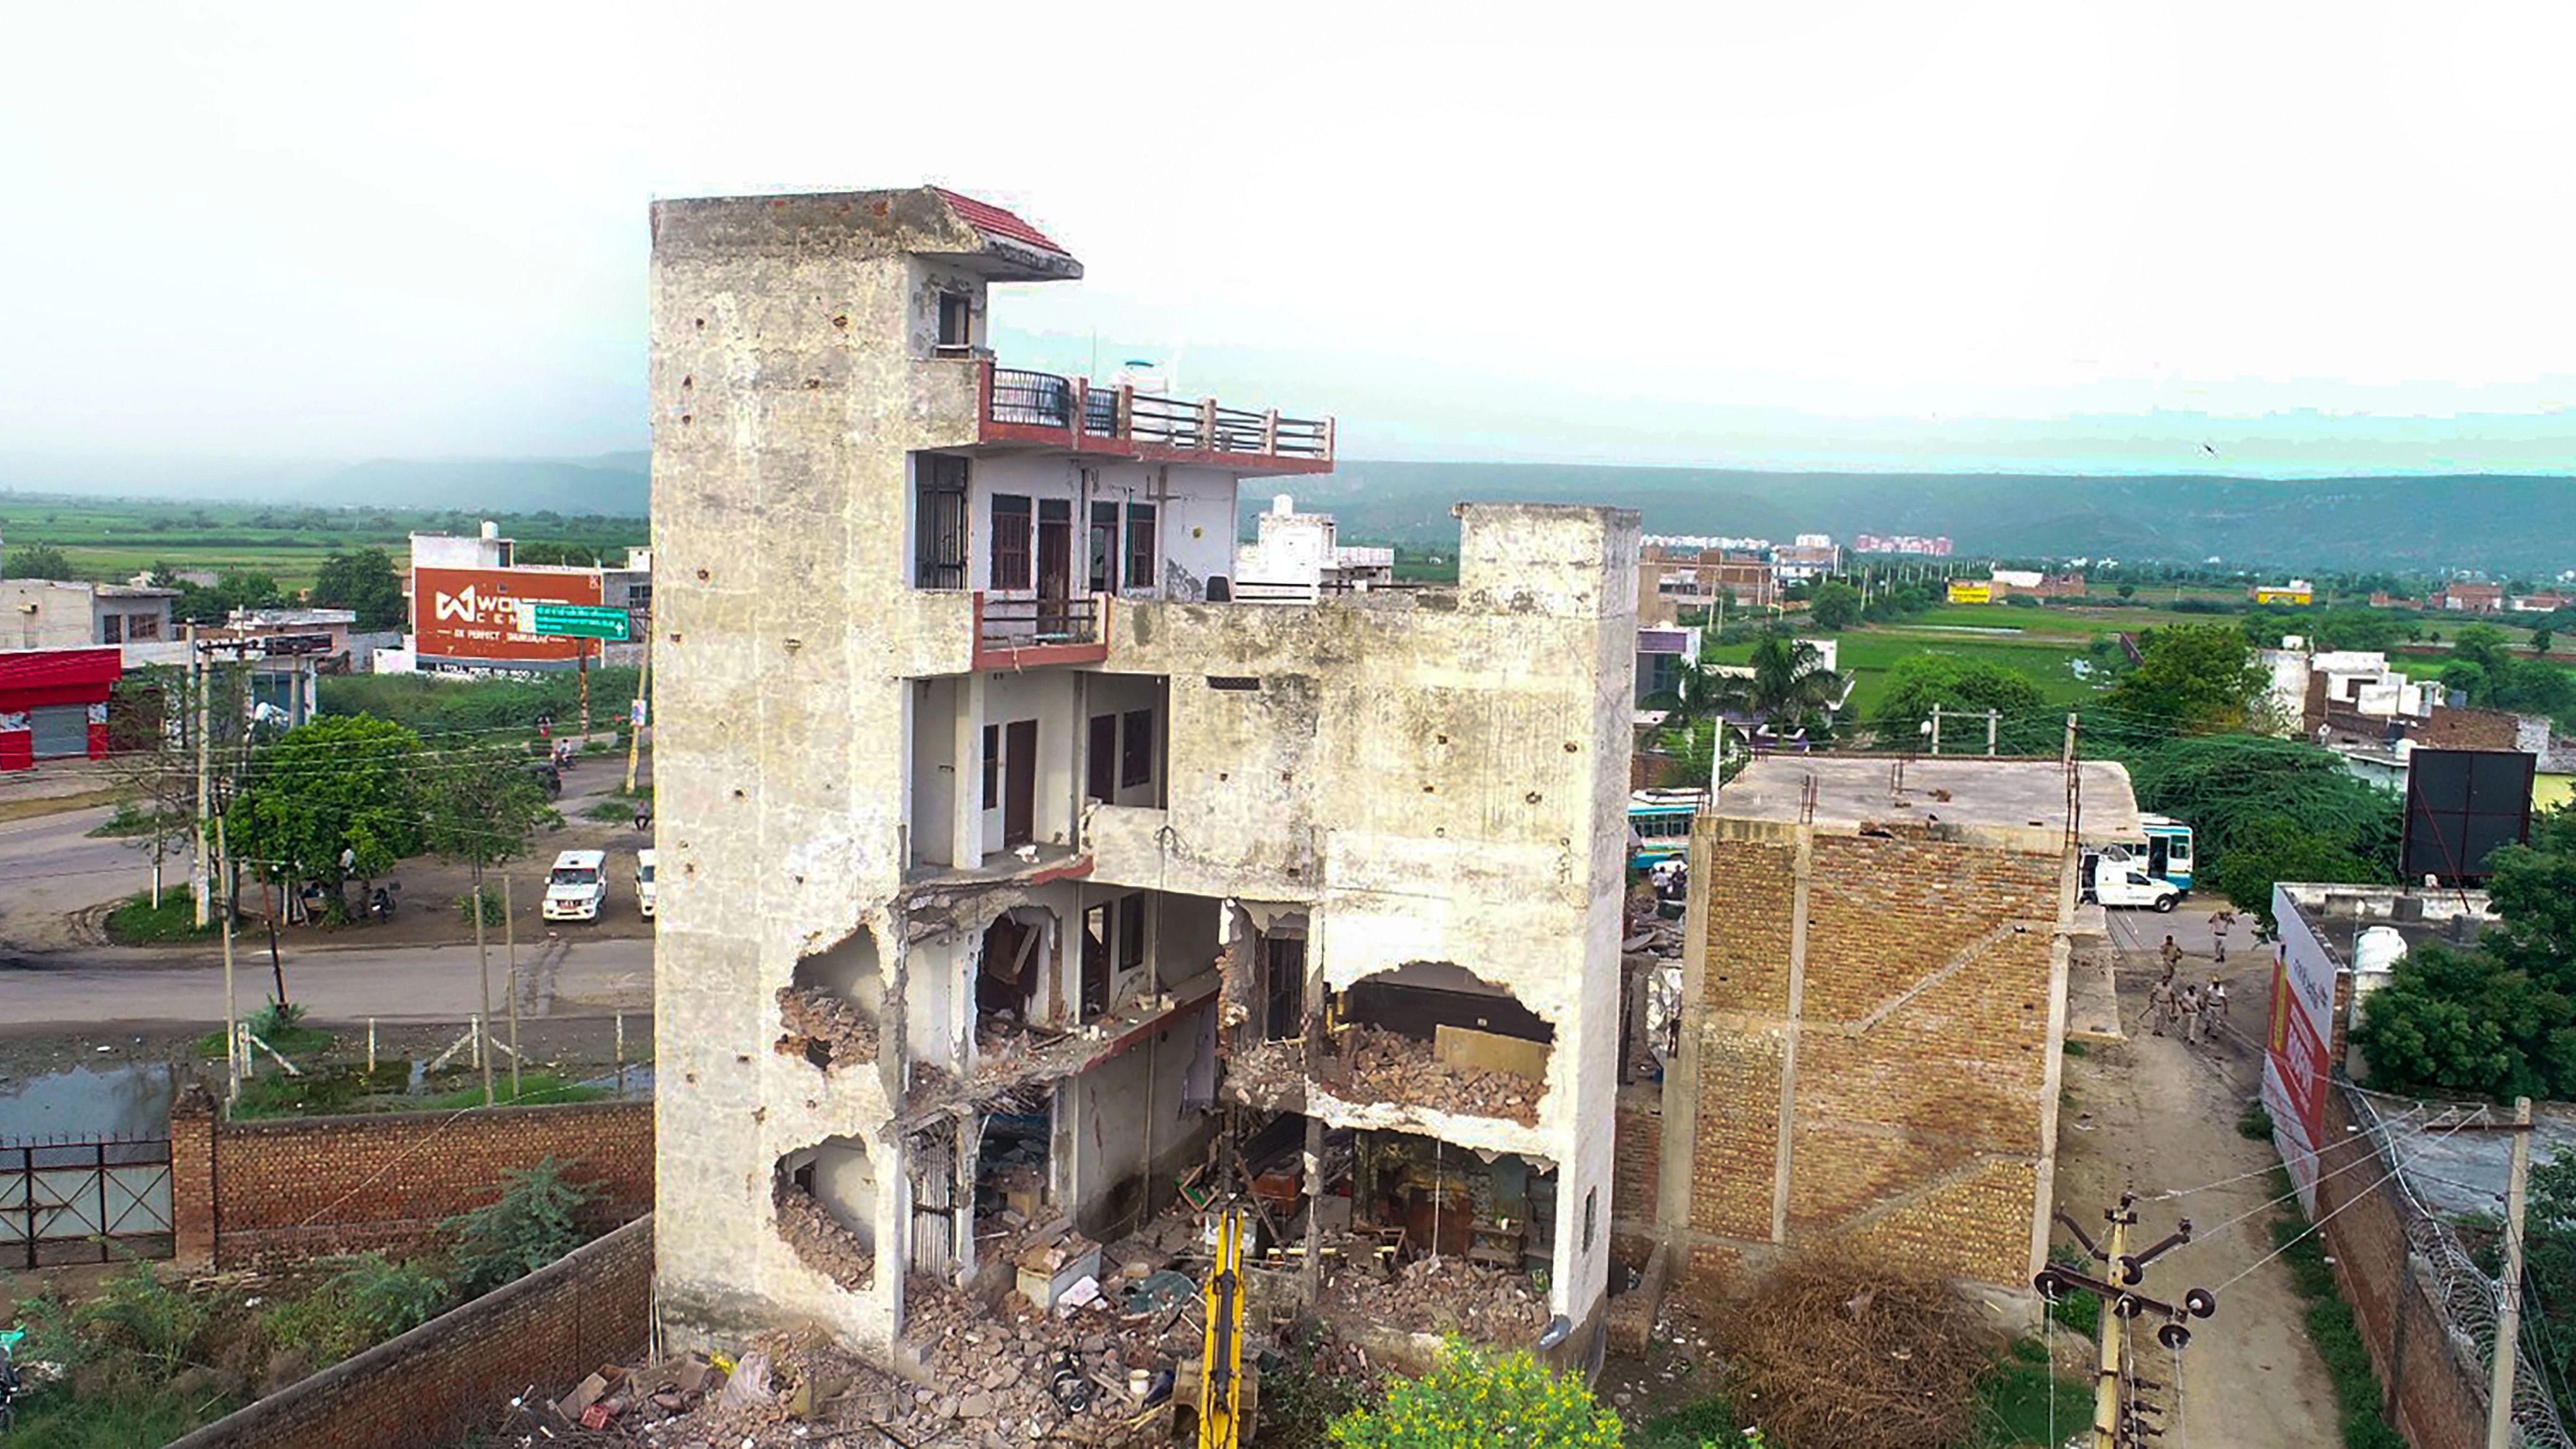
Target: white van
577,886
644,883
2118,883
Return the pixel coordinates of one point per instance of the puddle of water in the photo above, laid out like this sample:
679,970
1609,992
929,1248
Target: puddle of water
131,1100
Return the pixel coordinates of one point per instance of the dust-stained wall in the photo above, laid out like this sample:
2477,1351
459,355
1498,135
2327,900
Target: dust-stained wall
1444,777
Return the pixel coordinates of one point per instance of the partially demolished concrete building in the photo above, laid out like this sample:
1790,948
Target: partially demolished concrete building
1026,873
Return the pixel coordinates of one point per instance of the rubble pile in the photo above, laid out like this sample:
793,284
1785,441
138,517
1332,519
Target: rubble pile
824,1028
1079,1375
821,1240
1272,1071
1437,1294
1388,1066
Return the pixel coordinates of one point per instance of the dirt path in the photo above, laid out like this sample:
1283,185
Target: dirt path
2156,1116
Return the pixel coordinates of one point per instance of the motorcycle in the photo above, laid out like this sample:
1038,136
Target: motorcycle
380,904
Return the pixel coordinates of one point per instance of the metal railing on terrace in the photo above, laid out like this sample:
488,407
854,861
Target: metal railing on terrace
1017,398
1021,623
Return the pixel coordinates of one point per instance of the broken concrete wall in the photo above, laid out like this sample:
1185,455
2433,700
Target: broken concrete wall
1435,777
790,379
1130,1127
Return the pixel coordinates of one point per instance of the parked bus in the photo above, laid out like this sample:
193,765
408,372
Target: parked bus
1659,825
2169,849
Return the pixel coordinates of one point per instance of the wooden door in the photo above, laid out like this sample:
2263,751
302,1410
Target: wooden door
1055,550
1019,783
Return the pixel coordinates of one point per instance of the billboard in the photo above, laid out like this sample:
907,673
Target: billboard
473,613
1971,591
2298,1047
2460,806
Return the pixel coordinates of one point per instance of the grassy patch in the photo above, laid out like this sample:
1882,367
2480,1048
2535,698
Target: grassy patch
1870,652
139,923
1710,1421
2255,1122
2332,1328
60,804
535,1089
2013,1401
611,811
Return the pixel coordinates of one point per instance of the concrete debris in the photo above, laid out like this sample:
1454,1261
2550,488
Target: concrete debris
1272,1074
1388,1066
824,1028
1438,1294
821,1240
1021,1372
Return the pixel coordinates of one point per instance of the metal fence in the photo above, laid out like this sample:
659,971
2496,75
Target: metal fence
2471,1300
90,1200
1046,400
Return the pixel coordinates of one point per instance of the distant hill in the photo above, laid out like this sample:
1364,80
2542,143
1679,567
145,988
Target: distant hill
612,484
2519,524
616,484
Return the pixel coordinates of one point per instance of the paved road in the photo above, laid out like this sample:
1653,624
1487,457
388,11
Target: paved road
49,867
401,984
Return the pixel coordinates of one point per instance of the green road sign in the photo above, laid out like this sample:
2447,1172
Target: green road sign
573,621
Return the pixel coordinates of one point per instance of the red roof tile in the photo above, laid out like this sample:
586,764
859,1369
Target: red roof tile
994,221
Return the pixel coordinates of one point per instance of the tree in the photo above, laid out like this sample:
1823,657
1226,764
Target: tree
330,801
2267,849
2191,679
536,1220
38,561
2242,789
480,806
1917,683
1475,1399
2128,591
1789,683
2500,1019
363,581
2540,640
1835,605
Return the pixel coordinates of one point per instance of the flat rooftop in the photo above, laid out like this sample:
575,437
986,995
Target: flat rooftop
1855,790
2338,914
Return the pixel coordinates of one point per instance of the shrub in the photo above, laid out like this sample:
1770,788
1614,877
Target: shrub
139,923
366,1302
488,896
532,1224
1473,1399
2255,1122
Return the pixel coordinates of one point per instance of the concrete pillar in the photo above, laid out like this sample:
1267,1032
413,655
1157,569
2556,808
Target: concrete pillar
193,1125
1805,871
966,843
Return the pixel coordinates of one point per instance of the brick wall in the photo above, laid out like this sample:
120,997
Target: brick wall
454,1374
241,1192
1638,1157
1917,1118
2432,1395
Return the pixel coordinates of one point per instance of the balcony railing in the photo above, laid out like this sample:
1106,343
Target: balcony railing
1033,405
1019,623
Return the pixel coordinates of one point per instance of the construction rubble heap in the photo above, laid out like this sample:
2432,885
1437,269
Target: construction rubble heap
1386,1066
823,1028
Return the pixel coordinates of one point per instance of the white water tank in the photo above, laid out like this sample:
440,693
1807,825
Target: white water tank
2375,954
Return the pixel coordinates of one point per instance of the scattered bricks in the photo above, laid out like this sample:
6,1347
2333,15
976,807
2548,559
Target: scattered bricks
824,1028
1388,1066
1436,1294
821,1241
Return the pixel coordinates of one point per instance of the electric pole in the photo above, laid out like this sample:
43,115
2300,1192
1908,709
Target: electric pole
1936,729
197,867
2508,1337
1994,718
2119,1417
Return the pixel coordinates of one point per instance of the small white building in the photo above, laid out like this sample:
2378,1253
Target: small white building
1294,557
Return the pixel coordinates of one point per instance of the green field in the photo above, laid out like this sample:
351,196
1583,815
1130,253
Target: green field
114,539
1870,652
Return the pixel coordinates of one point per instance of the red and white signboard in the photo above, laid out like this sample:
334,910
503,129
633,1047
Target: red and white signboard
473,613
2298,1051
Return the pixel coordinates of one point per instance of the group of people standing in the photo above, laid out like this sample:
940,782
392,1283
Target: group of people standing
2201,1011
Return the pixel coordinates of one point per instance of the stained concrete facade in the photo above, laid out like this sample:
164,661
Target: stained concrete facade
1874,1014
1027,836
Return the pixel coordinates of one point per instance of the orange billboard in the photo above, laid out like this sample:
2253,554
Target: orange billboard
473,614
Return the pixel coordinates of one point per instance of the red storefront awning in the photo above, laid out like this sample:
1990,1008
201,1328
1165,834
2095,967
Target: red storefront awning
33,678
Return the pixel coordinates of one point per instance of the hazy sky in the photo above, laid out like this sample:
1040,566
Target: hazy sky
1761,234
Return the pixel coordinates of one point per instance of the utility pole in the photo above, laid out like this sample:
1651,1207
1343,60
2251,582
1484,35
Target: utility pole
483,955
510,952
205,776
1936,729
232,1012
1994,719
2508,1337
2118,1416
636,717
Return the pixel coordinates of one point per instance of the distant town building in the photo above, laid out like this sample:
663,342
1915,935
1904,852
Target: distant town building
1296,557
464,593
2001,584
2545,603
2467,598
59,614
2297,593
1812,557
1902,543
1673,579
